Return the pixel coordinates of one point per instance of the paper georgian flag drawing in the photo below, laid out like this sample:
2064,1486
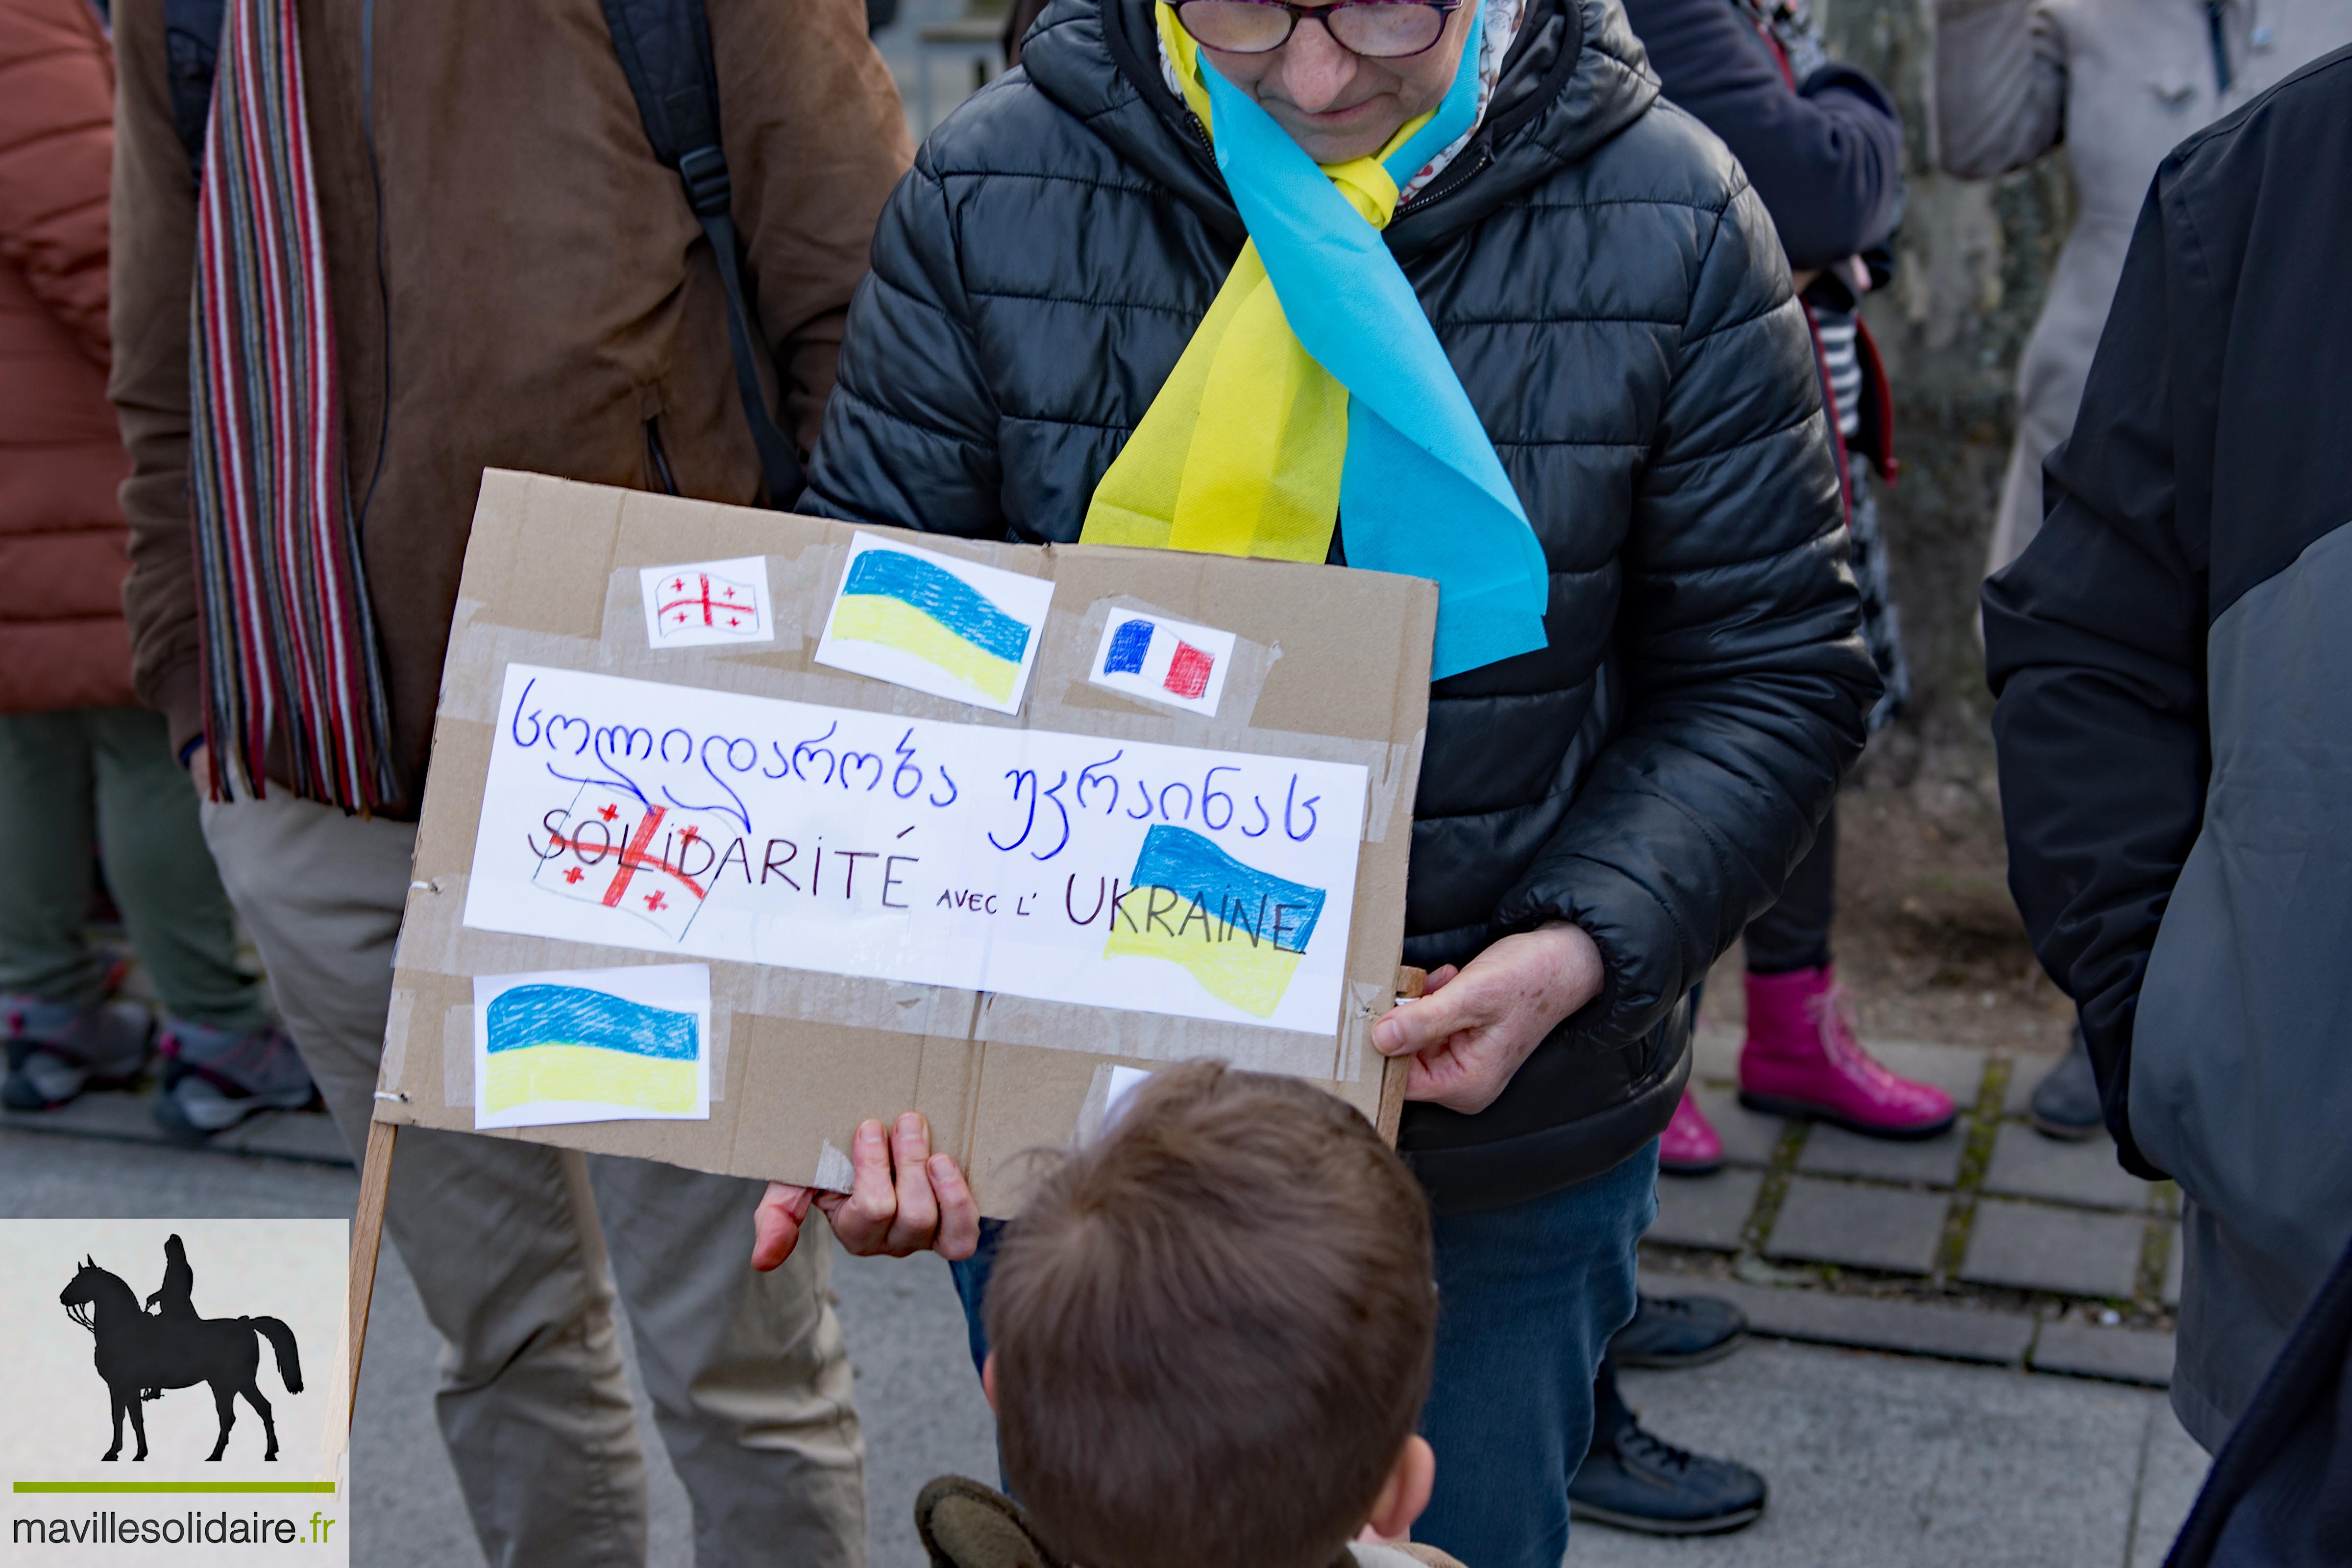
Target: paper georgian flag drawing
652,863
708,602
1169,662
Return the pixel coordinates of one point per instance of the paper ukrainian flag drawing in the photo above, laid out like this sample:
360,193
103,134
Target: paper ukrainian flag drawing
571,1045
1238,931
899,600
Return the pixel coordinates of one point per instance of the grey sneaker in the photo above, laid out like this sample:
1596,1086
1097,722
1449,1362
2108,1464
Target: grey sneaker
214,1079
57,1051
2065,1103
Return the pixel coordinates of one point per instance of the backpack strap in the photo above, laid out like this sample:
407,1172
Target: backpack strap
665,49
192,30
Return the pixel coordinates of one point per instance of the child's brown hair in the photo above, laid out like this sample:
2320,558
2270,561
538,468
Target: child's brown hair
1213,1329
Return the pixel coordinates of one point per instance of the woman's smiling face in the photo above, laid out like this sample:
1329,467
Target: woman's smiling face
1336,103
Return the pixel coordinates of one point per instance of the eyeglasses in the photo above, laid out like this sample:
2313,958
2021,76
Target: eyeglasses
1381,29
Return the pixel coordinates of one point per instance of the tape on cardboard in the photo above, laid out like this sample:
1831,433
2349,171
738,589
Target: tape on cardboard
396,1021
458,1056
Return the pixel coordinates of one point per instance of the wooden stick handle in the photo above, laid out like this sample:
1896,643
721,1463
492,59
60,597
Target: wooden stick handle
1409,982
367,1237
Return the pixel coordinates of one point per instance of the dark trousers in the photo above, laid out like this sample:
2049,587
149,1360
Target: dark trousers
1794,934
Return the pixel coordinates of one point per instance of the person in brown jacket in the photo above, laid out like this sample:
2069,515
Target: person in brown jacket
497,272
79,760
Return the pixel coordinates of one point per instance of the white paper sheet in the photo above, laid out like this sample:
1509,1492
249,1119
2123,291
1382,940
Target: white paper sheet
915,617
1111,873
593,1045
1124,1081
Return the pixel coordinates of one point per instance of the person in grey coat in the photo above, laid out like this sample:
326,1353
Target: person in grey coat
2115,83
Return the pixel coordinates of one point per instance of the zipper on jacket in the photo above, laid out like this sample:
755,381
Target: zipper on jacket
657,460
1445,188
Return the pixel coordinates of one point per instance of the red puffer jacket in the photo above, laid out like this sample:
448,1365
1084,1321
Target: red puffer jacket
62,557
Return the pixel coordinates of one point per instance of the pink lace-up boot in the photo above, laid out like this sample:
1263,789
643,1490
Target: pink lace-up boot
1801,1059
1690,1147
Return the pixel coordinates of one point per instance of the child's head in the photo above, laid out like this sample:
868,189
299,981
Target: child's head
1212,1332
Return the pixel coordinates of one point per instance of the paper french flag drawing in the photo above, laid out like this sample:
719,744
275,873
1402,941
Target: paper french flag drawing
706,602
950,627
1238,931
1165,662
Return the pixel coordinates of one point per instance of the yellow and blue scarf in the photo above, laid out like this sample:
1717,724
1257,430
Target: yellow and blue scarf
1315,390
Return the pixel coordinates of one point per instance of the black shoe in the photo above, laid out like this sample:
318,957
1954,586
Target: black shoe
1679,1331
1637,1482
2065,1103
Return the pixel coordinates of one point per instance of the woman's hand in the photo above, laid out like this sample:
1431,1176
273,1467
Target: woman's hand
1469,1033
902,1199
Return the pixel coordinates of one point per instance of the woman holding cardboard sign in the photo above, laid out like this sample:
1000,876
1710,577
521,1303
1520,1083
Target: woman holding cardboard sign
1438,288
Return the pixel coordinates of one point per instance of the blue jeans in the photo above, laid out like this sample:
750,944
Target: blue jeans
1532,1293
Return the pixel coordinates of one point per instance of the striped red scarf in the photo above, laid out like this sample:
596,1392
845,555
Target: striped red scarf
289,640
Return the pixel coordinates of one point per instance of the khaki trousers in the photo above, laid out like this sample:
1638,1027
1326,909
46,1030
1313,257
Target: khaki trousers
516,1250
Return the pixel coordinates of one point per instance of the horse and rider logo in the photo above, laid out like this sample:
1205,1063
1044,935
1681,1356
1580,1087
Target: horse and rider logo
143,1352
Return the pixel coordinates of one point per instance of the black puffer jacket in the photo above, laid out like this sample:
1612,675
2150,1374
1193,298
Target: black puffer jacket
1613,295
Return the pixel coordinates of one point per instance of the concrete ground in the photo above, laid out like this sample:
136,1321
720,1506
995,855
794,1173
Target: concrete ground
1877,1459
1873,1458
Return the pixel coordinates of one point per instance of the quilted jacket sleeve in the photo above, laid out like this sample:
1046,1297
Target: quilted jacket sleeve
1746,676
913,450
57,136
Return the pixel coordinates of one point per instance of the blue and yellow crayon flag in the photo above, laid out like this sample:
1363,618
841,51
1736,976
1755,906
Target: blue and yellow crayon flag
903,602
1236,930
568,1043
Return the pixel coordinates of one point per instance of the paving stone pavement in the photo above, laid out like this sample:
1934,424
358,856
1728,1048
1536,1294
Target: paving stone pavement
2063,1250
1859,1227
2122,1355
1708,1212
130,1119
1928,1162
1749,1138
1890,1204
1824,1317
2170,1475
2023,1074
2028,1165
1877,1460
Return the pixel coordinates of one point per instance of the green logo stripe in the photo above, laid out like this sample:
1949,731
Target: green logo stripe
175,1486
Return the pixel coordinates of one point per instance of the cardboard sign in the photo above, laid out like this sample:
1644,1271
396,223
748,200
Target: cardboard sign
715,900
